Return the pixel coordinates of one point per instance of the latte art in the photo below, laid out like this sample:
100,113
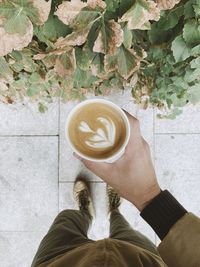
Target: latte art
97,130
100,138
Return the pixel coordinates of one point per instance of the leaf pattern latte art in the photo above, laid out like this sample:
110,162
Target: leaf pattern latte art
100,138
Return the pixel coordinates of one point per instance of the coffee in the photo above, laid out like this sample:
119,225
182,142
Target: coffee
97,130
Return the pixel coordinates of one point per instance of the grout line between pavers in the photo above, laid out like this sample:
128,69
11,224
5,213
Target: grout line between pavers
35,135
154,155
25,231
59,156
71,182
177,133
154,145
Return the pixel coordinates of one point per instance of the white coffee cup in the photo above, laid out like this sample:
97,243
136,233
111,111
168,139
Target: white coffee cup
118,153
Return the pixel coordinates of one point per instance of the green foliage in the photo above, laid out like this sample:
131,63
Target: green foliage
93,46
16,15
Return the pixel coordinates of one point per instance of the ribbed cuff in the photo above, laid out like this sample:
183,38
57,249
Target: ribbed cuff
162,213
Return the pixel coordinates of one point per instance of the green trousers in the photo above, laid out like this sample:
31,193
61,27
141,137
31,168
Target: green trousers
69,230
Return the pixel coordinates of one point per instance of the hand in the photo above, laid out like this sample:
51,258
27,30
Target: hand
133,175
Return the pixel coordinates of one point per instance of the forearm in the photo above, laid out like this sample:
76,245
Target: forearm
162,213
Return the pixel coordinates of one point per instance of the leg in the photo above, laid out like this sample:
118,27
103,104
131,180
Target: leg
120,229
68,231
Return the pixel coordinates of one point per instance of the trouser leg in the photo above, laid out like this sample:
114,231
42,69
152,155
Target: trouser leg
120,229
68,231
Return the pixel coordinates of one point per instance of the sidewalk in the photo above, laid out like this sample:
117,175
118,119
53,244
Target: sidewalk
37,170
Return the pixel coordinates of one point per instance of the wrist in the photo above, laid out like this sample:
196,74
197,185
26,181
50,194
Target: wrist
148,196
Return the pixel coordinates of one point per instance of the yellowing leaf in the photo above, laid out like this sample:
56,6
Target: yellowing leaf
109,39
16,15
166,4
51,53
73,39
128,62
43,7
80,16
68,11
139,15
9,42
66,64
124,61
96,3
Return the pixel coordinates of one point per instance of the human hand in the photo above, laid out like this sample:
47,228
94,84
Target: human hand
133,175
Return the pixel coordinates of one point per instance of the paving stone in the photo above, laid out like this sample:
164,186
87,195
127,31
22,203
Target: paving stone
25,119
177,158
17,249
187,122
28,182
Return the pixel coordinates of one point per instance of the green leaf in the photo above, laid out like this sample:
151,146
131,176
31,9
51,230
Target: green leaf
5,70
194,93
139,15
17,67
173,114
192,75
78,14
196,7
42,108
110,37
189,9
170,18
159,36
86,16
127,37
191,33
195,50
53,28
33,90
19,84
84,57
127,62
35,78
83,79
41,37
112,5
65,63
180,49
97,66
18,23
16,55
17,15
195,63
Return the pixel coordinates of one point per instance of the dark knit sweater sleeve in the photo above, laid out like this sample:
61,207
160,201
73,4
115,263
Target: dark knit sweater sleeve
162,213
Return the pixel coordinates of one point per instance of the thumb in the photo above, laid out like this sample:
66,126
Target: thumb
101,169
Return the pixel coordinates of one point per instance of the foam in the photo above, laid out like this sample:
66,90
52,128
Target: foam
101,138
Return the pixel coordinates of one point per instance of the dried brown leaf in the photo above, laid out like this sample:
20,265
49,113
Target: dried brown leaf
139,15
9,42
43,8
73,39
166,4
3,86
108,41
67,11
66,64
51,53
96,3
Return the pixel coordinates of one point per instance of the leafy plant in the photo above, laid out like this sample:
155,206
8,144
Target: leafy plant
66,49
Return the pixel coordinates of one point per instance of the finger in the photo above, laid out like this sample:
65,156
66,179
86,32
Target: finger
99,168
134,124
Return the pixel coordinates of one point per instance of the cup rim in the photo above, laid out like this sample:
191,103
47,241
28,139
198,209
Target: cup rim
115,106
